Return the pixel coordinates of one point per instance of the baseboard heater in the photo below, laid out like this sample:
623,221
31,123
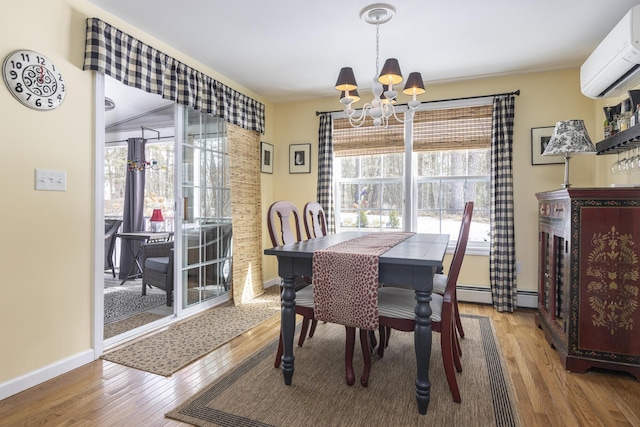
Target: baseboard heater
474,294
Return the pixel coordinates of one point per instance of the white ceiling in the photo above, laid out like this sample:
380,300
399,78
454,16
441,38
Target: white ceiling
287,50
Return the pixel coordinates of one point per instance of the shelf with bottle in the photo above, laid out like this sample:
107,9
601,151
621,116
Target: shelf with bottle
621,141
621,126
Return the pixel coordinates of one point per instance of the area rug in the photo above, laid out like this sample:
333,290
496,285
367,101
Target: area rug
120,326
121,302
182,343
254,394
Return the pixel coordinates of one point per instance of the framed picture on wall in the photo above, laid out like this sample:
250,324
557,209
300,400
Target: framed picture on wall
300,158
266,157
539,139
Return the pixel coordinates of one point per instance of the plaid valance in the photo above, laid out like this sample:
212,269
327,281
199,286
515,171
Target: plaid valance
128,60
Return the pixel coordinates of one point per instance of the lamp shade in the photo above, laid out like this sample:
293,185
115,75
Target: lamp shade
157,215
569,136
414,84
346,80
390,73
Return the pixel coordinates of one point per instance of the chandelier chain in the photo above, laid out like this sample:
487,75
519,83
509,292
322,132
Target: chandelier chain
377,49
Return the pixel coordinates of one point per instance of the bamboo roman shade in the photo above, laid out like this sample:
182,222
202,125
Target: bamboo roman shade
452,129
433,130
366,139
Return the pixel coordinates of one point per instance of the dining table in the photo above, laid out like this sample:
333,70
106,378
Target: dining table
412,262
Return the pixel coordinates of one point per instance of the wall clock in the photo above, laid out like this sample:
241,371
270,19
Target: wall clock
34,80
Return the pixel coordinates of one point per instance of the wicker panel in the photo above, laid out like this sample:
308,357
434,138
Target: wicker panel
367,139
453,129
244,151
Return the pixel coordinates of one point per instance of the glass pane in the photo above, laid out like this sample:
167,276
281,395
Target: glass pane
371,167
206,233
115,165
349,195
428,163
480,230
428,195
393,165
392,196
454,163
479,162
453,194
391,211
428,222
349,167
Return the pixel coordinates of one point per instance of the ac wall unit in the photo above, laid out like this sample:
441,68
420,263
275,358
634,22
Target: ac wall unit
614,66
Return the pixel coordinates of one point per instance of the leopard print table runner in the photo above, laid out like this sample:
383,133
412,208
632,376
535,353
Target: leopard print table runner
345,279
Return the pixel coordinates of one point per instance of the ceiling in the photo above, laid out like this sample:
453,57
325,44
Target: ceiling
288,50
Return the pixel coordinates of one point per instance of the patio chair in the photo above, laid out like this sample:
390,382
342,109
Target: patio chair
156,260
111,227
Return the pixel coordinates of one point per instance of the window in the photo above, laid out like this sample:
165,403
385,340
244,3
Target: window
370,192
158,192
450,163
445,180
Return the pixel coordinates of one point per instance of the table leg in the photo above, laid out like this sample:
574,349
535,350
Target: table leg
134,264
422,339
287,327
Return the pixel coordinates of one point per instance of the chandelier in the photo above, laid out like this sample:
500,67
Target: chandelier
381,108
136,165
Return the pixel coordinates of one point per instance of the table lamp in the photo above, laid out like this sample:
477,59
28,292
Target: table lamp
157,221
569,137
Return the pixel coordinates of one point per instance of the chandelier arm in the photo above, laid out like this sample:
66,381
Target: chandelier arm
398,119
356,123
359,121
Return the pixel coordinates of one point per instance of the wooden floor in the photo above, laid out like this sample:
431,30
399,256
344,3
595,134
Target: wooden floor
106,394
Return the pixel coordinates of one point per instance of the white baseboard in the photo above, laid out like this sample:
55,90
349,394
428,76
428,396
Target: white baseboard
16,385
272,282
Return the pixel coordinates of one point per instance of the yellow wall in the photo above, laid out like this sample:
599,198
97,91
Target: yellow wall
545,99
48,249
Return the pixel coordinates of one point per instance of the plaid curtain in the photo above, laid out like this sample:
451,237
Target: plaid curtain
502,258
133,213
128,60
325,169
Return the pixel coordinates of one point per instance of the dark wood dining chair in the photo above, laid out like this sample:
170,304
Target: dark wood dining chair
283,223
440,280
396,310
315,221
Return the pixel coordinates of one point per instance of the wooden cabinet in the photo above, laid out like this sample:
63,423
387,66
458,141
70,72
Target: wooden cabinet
589,276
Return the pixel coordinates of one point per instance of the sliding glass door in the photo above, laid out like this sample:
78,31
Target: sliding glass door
206,232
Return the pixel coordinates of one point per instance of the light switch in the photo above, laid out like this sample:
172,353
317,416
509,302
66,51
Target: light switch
48,180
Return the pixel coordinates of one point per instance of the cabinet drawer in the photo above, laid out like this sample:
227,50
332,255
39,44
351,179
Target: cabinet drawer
553,209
